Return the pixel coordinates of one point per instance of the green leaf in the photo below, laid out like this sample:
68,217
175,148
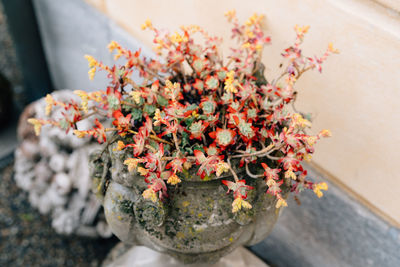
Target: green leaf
245,129
212,82
113,102
221,75
167,147
157,128
128,107
153,144
208,107
121,72
197,147
189,121
136,114
251,113
185,139
149,109
162,101
191,107
64,124
198,65
189,150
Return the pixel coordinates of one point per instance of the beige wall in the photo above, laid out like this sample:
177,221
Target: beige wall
357,96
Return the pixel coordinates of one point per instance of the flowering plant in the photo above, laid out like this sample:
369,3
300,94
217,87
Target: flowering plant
193,110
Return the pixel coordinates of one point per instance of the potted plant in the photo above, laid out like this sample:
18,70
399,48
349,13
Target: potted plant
203,150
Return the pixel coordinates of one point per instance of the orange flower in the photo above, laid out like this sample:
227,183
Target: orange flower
147,24
239,203
173,179
318,187
280,203
150,194
36,124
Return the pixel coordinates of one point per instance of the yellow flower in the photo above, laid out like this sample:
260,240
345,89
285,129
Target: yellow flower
271,182
249,33
158,48
147,24
80,134
150,194
92,62
299,121
171,85
239,203
49,104
307,157
290,174
177,38
174,179
280,203
37,125
194,114
171,89
120,145
301,30
157,117
318,187
325,133
91,73
96,96
246,45
132,163
221,168
311,140
332,50
231,14
113,45
85,98
136,95
255,19
229,82
118,55
187,165
142,171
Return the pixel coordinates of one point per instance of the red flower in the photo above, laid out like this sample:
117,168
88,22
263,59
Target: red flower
239,188
176,164
122,123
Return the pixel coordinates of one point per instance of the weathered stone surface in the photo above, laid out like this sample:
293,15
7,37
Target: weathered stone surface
53,169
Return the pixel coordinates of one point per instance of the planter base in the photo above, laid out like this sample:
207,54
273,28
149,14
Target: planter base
139,256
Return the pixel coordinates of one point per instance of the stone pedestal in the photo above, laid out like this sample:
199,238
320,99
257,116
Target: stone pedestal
139,256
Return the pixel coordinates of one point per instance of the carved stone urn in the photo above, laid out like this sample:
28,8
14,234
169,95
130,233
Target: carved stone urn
195,224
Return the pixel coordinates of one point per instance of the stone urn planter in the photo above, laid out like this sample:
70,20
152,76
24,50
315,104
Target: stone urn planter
194,224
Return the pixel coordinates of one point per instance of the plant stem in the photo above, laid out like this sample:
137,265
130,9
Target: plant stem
262,151
256,176
176,144
87,115
232,171
128,104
